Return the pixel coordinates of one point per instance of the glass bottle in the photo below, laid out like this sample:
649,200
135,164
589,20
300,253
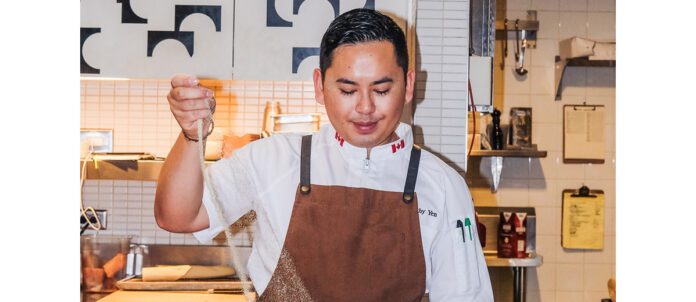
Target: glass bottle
497,132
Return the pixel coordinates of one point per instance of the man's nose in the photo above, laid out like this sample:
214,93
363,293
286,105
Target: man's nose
366,104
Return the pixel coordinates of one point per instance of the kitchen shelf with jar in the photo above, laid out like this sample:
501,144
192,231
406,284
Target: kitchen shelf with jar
147,170
497,160
124,166
497,149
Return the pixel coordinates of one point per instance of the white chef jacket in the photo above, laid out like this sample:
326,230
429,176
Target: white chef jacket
264,176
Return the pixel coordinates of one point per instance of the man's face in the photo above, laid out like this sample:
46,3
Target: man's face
364,92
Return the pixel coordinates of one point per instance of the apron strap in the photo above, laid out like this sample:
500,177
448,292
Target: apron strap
305,157
410,186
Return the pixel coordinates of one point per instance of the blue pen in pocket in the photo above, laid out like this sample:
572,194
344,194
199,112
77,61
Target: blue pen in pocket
461,225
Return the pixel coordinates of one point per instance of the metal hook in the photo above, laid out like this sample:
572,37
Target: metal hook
505,44
519,54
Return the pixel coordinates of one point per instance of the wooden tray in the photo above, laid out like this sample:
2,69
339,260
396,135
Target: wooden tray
135,283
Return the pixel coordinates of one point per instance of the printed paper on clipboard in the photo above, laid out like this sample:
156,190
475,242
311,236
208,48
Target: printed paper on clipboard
583,134
582,225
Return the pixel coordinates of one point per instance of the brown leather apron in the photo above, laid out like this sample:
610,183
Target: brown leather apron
350,244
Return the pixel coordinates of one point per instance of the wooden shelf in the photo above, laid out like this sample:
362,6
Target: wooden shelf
497,160
561,65
508,153
146,170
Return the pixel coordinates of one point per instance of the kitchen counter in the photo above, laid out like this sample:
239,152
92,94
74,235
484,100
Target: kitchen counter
92,297
160,296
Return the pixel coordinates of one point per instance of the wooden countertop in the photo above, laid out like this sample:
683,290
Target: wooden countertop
161,296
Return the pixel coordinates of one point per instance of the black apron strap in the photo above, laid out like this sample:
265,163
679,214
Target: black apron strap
305,157
410,187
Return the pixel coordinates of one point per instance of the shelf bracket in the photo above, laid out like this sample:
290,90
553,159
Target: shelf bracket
496,170
497,160
584,53
562,64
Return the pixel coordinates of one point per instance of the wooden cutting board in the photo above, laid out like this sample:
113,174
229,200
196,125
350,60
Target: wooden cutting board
178,272
180,285
154,296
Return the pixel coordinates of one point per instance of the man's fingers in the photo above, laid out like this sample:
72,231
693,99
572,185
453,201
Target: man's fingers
187,93
198,104
190,102
194,115
184,80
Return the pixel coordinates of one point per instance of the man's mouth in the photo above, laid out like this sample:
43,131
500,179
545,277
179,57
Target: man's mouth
365,127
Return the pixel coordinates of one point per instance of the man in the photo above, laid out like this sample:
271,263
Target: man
355,212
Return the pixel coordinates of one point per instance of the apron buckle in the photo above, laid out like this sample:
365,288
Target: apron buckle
408,198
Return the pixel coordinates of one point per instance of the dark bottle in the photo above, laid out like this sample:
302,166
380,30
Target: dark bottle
481,228
497,132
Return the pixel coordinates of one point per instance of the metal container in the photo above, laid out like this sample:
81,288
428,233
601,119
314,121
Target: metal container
96,251
296,122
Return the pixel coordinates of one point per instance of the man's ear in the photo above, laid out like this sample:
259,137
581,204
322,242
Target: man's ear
318,86
410,85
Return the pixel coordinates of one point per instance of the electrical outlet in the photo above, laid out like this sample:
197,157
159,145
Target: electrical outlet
101,214
95,140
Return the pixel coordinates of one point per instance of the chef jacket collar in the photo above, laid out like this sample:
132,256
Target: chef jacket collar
399,148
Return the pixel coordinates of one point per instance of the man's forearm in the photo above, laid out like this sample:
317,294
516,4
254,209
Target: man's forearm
180,189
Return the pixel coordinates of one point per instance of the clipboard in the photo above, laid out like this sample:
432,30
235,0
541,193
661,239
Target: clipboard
582,221
583,134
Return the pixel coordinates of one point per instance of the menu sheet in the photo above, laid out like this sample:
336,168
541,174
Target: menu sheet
583,133
583,221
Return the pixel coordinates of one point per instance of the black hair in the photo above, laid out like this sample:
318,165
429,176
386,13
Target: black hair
358,26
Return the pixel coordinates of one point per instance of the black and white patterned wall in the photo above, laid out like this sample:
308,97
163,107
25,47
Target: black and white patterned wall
154,39
224,39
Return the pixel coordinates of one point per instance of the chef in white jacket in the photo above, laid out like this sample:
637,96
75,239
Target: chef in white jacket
355,212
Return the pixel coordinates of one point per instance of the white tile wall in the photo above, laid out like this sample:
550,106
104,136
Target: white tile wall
138,112
543,54
573,24
550,27
517,5
574,5
130,211
569,296
542,278
569,277
595,276
601,5
602,26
